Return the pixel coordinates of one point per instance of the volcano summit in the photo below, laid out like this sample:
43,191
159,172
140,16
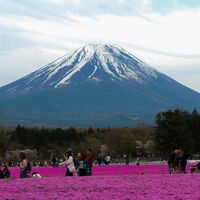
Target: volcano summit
96,85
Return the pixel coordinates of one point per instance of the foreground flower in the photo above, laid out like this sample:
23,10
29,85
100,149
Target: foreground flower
140,187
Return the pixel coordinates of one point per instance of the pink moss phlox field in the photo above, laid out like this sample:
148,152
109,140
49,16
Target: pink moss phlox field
140,187
102,170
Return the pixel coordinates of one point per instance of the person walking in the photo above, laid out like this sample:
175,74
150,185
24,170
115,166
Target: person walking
90,158
23,165
69,163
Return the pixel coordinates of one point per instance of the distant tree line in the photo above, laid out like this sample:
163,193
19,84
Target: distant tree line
173,130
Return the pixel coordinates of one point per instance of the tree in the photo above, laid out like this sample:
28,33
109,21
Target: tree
4,142
195,128
94,145
103,149
127,144
173,131
90,130
112,140
148,146
139,147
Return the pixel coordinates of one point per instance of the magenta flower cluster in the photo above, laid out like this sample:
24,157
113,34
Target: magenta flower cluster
102,170
139,187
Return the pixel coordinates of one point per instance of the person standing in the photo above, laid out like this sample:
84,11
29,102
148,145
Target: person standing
138,160
127,160
83,167
77,163
1,174
99,159
171,163
23,165
183,161
54,161
69,163
108,159
178,161
6,172
90,158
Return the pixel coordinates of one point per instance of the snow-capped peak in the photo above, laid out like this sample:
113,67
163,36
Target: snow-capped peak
96,62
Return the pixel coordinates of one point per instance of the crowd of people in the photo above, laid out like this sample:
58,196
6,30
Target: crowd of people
81,165
101,160
177,162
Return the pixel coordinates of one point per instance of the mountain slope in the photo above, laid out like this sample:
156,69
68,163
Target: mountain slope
92,62
96,85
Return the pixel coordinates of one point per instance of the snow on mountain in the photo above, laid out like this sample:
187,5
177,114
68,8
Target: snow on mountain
96,85
91,62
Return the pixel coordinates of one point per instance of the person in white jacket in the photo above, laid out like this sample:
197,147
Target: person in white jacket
69,163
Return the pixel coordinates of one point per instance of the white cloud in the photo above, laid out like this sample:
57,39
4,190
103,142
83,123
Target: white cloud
75,2
19,63
176,33
121,1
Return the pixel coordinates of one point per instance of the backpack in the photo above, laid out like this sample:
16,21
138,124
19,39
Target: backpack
86,165
28,168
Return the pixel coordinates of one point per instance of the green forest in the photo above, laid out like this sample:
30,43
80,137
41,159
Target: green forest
173,129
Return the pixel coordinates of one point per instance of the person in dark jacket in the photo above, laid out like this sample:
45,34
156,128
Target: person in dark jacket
90,158
83,166
1,174
178,160
54,161
173,162
99,159
183,161
6,172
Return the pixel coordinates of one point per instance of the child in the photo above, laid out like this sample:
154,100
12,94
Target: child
36,175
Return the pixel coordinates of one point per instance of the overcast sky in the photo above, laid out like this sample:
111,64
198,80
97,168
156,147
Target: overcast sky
163,33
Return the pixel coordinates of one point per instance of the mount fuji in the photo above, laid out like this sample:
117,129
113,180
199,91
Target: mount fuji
96,85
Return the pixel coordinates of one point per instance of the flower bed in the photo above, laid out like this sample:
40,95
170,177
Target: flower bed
140,187
103,170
